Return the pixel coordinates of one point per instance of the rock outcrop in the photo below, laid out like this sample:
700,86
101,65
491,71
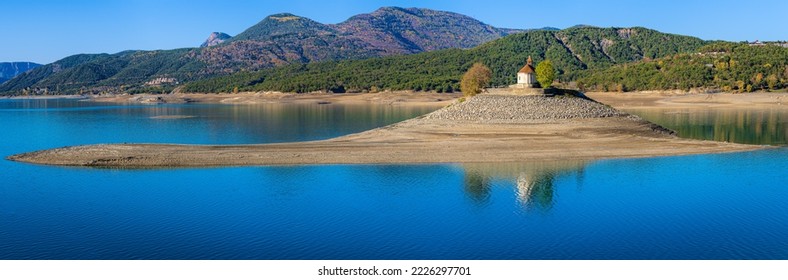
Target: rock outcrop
214,39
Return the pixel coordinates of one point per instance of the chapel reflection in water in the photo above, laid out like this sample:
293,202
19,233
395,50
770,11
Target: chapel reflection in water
535,189
534,183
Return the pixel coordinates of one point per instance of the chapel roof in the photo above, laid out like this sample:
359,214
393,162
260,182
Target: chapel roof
528,68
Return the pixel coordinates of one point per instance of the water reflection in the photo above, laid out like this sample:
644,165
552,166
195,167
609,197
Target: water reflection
477,186
206,123
747,126
315,121
534,183
535,190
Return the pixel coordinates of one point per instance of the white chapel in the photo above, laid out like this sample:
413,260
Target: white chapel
526,77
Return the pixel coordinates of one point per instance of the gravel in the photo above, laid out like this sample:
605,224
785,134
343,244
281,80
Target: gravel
512,108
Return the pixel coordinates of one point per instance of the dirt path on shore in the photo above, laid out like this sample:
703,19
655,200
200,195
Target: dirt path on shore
421,140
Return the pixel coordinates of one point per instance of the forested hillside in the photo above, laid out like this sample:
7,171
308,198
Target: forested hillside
93,73
720,66
572,51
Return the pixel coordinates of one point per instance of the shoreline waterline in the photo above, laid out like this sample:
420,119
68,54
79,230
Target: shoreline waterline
454,134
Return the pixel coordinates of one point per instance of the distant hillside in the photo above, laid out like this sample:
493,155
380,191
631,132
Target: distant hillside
9,70
722,66
573,51
95,73
277,40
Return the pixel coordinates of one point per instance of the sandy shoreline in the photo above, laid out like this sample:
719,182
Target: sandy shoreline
395,98
640,100
43,97
390,98
628,100
420,140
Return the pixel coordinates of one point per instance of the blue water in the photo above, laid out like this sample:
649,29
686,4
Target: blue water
746,126
726,206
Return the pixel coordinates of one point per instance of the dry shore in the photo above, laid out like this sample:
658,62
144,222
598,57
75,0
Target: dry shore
640,100
487,128
391,98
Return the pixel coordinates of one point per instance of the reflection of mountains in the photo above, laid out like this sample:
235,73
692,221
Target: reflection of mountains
535,182
275,122
746,126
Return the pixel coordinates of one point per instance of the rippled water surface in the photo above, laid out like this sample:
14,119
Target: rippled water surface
726,206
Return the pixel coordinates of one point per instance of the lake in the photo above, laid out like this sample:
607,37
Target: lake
724,206
747,126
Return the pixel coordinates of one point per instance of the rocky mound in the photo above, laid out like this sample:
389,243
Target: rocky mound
512,108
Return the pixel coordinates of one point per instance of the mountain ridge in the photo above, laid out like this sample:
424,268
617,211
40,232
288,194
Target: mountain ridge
287,39
572,51
277,40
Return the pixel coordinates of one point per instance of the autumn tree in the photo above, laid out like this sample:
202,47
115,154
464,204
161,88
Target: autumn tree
545,73
757,79
475,79
771,81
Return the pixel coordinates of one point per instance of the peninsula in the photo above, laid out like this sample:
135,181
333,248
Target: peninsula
490,127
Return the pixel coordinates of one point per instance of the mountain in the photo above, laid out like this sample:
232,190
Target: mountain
573,51
412,30
281,39
284,25
214,39
277,40
9,70
391,30
285,38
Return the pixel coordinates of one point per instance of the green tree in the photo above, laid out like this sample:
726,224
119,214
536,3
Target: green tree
475,79
545,73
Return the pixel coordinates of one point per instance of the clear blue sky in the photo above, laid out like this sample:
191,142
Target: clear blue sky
47,30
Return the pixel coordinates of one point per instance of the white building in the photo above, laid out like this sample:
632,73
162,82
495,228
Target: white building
526,77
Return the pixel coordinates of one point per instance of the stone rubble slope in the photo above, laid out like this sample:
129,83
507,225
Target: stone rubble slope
512,108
